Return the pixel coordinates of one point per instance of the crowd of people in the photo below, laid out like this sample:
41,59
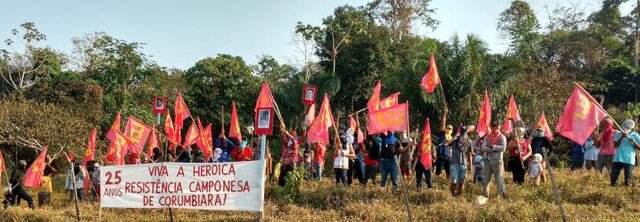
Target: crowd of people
394,155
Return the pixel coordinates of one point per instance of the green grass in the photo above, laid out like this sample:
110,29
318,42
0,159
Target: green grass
586,197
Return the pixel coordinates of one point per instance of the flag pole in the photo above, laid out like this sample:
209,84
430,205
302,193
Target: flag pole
446,106
555,187
75,189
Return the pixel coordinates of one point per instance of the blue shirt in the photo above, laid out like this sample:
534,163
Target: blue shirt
626,152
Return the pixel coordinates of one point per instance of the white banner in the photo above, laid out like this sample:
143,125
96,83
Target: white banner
209,186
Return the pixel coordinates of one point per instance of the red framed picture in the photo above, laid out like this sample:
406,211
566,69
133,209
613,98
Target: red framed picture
159,105
264,121
309,94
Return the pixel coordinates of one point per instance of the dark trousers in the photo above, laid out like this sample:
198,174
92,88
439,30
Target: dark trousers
341,176
44,198
421,171
517,170
370,174
442,163
20,193
615,172
284,171
356,168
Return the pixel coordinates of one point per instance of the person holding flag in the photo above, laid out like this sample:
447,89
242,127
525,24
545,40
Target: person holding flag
519,150
607,148
626,143
318,159
17,184
75,173
44,196
290,150
423,157
388,164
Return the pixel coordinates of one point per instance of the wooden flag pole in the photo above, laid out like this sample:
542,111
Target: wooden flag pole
444,99
75,189
555,187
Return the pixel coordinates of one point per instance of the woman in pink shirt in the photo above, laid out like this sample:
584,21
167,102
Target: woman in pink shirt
605,157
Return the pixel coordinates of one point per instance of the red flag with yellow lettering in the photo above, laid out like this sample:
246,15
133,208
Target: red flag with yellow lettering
374,101
181,111
33,176
118,148
170,130
191,136
205,141
485,116
234,126
390,101
138,133
90,152
390,119
319,130
432,77
115,126
580,117
425,146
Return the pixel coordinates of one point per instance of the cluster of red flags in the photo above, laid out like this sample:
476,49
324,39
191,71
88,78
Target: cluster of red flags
387,114
319,129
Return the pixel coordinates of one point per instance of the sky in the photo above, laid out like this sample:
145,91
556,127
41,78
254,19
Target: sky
179,33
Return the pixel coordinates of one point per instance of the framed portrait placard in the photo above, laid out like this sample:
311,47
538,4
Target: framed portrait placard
309,94
264,121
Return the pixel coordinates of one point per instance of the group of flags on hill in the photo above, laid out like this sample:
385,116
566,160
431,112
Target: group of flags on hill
581,116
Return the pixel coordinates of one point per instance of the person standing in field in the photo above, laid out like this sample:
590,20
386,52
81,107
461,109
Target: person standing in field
460,161
290,150
421,170
605,156
443,151
44,196
626,143
540,144
343,152
406,153
478,158
494,146
577,156
75,173
388,165
17,184
536,170
373,145
318,160
591,153
519,151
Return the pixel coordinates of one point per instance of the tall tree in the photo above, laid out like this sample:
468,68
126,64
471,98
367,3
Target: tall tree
400,15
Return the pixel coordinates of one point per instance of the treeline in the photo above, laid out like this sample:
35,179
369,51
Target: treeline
53,98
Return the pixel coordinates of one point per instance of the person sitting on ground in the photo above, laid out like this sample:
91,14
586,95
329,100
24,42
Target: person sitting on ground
536,170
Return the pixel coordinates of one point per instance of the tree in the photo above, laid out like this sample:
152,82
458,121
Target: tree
21,70
519,24
400,15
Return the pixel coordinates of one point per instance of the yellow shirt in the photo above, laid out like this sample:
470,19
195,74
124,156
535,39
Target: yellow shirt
46,184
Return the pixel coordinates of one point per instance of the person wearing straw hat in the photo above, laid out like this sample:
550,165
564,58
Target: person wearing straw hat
626,143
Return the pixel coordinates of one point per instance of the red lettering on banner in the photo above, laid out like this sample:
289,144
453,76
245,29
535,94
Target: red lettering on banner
217,186
194,200
158,171
147,200
153,187
112,192
180,172
213,170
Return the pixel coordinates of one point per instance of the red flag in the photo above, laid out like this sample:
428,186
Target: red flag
390,101
114,126
181,111
542,123
512,116
153,142
234,126
191,136
118,148
431,78
311,115
33,176
374,101
90,152
71,156
359,135
425,146
390,119
205,141
580,117
172,136
319,130
138,133
485,116
265,99
2,164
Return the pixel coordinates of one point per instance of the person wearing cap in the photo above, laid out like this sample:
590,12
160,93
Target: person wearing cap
540,144
607,148
519,150
626,143
442,150
17,184
406,154
494,146
290,150
460,161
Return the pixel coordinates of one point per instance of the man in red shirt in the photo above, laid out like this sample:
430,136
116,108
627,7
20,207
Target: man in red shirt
318,159
290,154
242,152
